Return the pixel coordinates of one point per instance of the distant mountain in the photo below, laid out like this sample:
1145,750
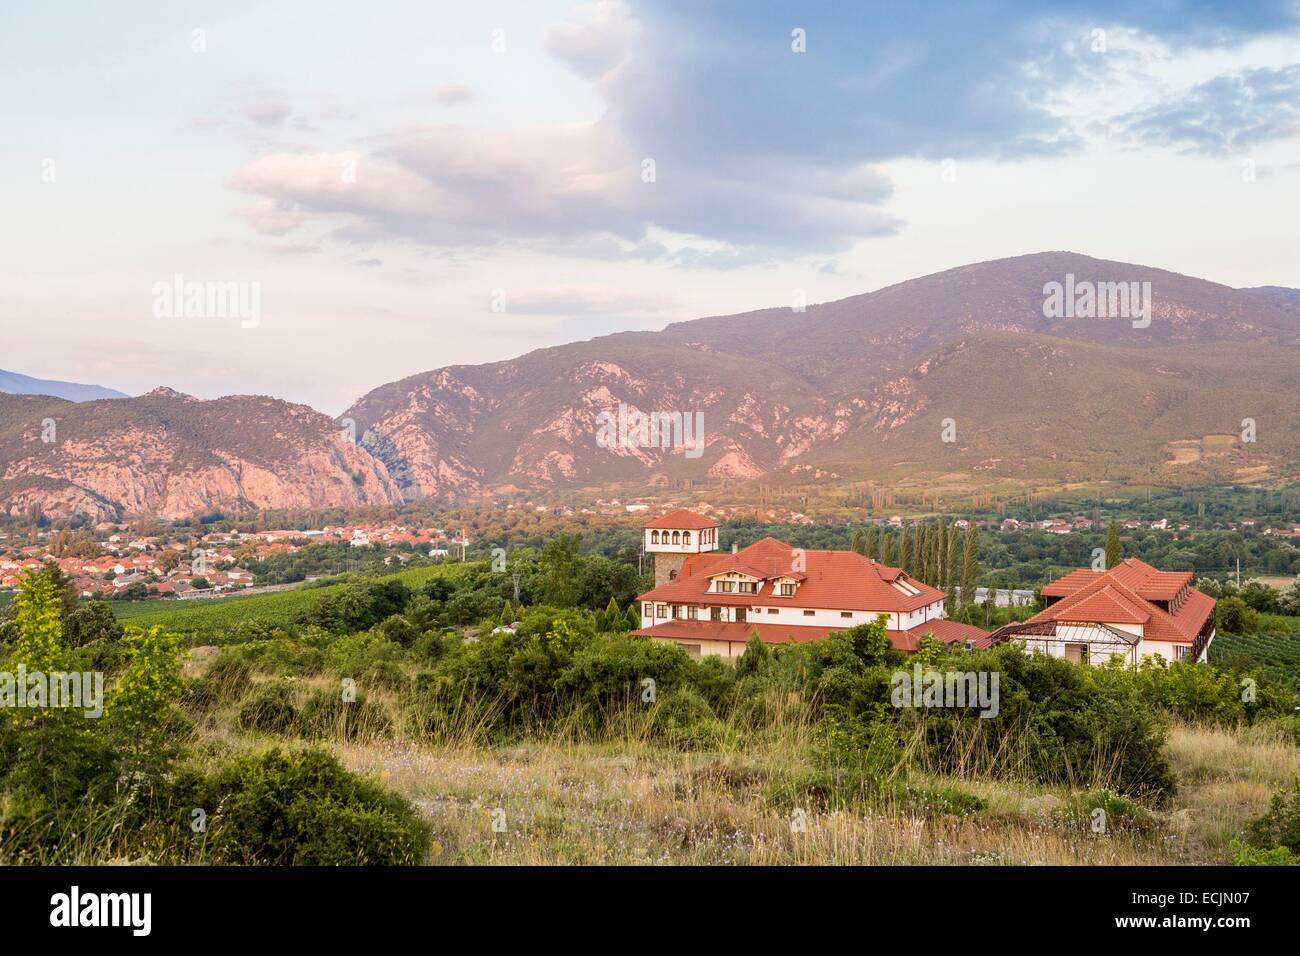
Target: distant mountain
1278,295
15,384
860,388
171,455
956,383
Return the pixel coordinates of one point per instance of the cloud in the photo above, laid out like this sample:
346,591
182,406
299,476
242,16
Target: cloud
1226,114
266,112
716,131
452,94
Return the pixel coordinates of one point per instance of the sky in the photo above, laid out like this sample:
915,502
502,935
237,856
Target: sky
397,186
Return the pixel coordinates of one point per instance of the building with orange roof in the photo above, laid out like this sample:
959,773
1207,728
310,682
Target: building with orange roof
712,603
1131,610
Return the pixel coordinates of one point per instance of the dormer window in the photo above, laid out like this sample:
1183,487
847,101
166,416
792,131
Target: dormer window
787,590
725,586
747,587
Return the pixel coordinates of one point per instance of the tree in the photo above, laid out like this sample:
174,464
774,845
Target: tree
970,565
886,548
39,623
950,570
633,617
1233,616
872,546
904,551
1114,552
859,542
560,586
91,622
142,709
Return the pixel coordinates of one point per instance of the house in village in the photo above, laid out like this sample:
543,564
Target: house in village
1131,610
708,602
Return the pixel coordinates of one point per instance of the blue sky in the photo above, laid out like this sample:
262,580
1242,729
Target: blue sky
387,174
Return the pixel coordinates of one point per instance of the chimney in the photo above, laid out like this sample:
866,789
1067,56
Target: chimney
734,547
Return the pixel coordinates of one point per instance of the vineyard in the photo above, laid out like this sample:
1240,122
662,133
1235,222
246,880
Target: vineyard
197,617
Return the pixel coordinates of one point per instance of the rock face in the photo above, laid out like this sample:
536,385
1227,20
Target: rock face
862,388
172,456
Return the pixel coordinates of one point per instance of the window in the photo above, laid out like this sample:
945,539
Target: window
747,587
741,613
686,537
1182,652
677,538
654,537
787,590
677,612
715,614
692,613
809,613
773,610
648,610
726,586
692,649
672,575
846,613
661,610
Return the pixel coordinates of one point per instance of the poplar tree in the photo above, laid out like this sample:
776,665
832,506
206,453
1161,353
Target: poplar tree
872,546
1114,552
859,543
950,572
970,565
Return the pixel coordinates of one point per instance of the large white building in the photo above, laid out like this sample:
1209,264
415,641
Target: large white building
712,603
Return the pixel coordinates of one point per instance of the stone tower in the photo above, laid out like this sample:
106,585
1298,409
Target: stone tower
676,536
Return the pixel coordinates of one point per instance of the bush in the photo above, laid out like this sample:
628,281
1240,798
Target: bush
270,708
1280,827
302,809
684,719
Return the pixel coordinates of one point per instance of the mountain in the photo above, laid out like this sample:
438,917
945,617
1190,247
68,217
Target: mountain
957,383
861,388
1278,295
171,455
15,384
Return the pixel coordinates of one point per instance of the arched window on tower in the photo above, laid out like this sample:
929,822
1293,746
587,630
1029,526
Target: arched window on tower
654,537
677,538
672,575
686,537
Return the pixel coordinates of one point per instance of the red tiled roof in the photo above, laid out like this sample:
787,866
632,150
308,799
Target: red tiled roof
681,519
1125,595
833,580
949,632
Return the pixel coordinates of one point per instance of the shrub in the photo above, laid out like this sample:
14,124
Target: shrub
684,719
304,809
1280,826
270,708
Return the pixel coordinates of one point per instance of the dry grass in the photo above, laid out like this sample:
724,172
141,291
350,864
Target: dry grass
629,802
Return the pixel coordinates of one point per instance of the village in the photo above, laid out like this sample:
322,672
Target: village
186,567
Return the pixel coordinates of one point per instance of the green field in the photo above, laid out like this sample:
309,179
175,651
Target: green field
1276,653
200,616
